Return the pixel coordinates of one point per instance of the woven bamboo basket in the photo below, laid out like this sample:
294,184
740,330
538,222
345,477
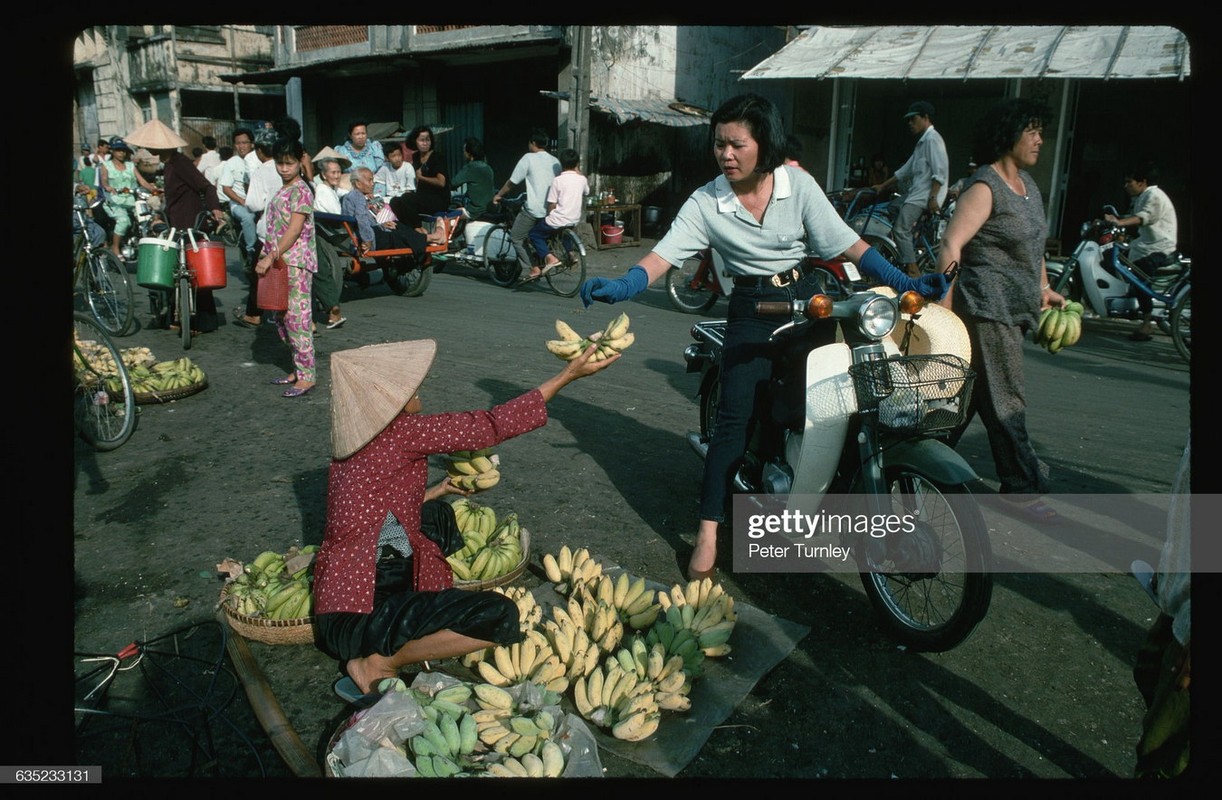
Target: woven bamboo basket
268,631
171,395
508,577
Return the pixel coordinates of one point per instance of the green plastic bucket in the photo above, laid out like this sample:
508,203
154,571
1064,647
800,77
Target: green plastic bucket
156,260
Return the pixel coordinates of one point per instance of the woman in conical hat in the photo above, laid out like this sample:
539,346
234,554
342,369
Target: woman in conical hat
383,590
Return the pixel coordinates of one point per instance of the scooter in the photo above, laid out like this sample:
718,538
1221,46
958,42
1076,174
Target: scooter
694,286
870,427
1099,275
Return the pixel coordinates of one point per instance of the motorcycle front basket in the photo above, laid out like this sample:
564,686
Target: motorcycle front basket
915,394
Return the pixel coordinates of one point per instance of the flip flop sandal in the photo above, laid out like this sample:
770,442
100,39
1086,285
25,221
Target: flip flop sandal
337,323
287,380
296,392
346,689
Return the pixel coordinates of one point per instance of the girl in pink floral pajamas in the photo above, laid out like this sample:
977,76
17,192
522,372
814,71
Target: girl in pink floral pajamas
290,229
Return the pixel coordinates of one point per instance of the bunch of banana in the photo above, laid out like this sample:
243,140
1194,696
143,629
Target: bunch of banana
677,641
705,609
530,613
473,517
445,747
474,470
600,619
515,734
615,338
166,376
264,589
650,664
632,599
571,643
612,697
530,660
571,568
500,553
1060,327
549,763
137,357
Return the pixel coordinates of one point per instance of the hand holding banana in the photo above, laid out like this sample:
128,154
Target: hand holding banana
1060,327
613,339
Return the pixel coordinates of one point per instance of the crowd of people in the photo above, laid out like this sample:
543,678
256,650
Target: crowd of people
384,596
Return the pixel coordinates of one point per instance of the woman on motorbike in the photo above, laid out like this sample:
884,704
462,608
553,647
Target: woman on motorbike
764,219
997,236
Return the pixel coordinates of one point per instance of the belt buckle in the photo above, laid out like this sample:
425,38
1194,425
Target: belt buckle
782,279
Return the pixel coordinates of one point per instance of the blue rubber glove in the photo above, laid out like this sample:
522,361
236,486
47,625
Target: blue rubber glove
605,290
874,264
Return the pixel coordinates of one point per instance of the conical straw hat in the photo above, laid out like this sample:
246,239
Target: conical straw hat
937,330
330,152
156,135
369,387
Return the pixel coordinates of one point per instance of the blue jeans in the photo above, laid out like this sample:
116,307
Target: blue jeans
746,367
538,238
246,218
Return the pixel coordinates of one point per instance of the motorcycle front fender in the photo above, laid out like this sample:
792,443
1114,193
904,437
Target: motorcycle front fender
932,458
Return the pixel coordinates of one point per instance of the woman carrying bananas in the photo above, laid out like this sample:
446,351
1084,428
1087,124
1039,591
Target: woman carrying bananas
763,218
383,590
997,236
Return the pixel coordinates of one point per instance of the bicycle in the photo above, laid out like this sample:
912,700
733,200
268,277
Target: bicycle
182,279
104,405
501,258
873,221
101,277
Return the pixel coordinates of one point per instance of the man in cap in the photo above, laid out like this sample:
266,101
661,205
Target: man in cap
925,174
383,590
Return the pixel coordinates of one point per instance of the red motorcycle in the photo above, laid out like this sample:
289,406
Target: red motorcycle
694,286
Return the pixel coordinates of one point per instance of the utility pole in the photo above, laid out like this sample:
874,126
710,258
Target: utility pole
579,93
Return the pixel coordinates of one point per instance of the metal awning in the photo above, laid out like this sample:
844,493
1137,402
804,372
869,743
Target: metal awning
643,109
960,52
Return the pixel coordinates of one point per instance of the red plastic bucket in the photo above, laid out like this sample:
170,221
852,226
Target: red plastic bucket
206,261
613,234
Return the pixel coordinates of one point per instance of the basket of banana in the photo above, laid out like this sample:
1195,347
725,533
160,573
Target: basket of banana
166,381
495,550
269,599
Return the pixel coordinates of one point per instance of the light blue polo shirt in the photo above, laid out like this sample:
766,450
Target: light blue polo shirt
799,221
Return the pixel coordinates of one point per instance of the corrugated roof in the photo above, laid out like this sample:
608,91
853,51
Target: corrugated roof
984,51
644,109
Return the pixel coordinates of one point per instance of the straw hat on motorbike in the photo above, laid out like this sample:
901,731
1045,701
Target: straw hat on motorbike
370,386
156,135
936,330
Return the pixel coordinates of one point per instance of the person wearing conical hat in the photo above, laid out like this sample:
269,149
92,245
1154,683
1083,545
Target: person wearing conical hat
383,591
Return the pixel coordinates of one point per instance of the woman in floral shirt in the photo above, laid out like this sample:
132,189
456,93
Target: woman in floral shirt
383,590
290,226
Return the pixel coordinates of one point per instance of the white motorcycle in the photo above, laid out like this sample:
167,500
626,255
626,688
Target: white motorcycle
877,408
1099,274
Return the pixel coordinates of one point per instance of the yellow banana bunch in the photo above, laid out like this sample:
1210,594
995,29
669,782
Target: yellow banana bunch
265,589
474,470
670,683
474,518
631,598
1060,327
599,619
530,660
571,643
612,697
706,609
530,613
615,338
165,376
549,763
137,357
571,568
514,734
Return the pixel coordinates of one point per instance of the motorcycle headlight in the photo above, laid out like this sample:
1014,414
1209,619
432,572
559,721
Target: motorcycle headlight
877,317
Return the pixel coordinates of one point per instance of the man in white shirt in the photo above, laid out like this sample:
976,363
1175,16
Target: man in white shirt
925,174
231,185
263,185
565,207
1157,238
210,161
536,169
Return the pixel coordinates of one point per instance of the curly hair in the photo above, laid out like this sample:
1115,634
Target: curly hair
763,119
1001,128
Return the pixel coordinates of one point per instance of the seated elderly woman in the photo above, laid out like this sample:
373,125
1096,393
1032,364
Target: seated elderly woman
375,235
329,280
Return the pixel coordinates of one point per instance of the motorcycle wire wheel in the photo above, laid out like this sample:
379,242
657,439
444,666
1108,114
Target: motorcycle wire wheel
930,587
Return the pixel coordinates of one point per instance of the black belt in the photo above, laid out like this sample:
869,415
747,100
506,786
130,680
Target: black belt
780,279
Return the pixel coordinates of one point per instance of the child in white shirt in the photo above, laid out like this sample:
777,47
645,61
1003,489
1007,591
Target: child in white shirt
565,205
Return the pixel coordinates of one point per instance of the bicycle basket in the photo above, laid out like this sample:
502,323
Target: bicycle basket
915,394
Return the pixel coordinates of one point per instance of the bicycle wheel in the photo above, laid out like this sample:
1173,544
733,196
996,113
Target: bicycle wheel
104,404
109,292
567,276
184,310
500,260
687,289
1181,325
930,586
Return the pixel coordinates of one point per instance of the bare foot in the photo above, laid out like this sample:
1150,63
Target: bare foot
704,557
367,672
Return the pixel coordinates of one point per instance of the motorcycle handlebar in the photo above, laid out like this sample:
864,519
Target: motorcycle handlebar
774,308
